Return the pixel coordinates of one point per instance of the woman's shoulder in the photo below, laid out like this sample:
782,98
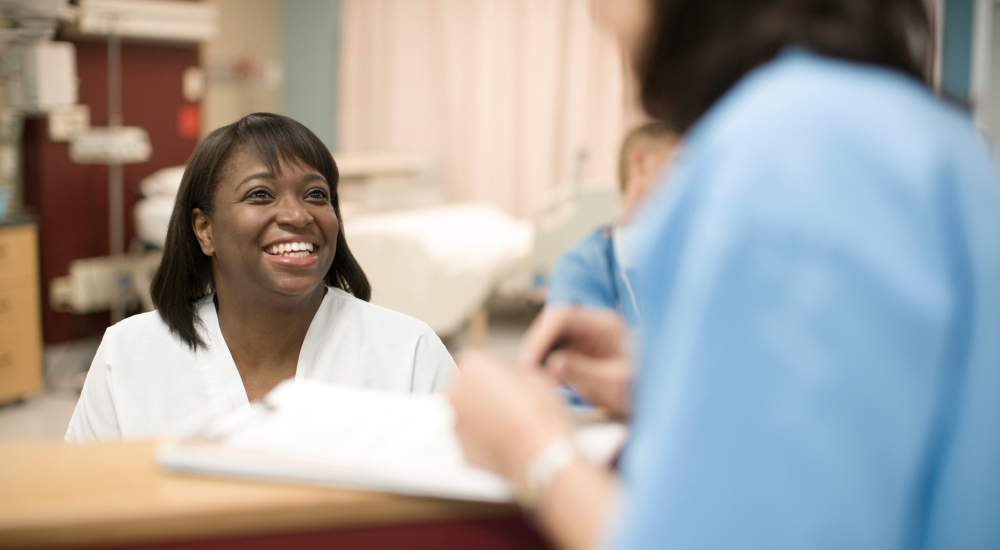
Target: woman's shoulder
801,97
349,306
145,333
355,342
820,125
148,324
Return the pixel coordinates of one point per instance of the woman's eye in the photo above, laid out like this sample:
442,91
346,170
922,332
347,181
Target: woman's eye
259,194
318,194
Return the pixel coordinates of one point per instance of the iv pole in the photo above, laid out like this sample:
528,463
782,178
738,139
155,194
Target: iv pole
116,186
114,146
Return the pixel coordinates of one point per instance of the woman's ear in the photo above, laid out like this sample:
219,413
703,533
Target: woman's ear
202,227
635,164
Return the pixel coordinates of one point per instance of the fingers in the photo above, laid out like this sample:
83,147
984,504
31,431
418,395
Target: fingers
598,333
604,382
543,334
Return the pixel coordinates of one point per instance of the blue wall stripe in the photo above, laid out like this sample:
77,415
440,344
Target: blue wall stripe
311,64
956,55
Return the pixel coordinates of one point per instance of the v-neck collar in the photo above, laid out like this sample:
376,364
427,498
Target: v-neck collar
313,343
221,367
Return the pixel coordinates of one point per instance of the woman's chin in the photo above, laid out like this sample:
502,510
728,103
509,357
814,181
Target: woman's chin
298,276
292,287
301,288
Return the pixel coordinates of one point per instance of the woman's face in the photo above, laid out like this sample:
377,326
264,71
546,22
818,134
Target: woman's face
628,19
268,233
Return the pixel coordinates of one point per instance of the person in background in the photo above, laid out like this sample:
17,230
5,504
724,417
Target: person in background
256,285
597,272
818,363
592,274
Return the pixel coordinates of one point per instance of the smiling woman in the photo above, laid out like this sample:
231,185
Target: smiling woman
257,285
270,231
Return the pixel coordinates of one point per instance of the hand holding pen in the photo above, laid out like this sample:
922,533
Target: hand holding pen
586,349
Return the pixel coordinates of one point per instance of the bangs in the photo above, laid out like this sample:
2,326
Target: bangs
275,139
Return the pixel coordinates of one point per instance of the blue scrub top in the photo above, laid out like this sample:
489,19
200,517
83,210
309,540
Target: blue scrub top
821,304
588,275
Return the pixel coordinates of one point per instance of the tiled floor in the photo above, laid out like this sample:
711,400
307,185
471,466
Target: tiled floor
46,416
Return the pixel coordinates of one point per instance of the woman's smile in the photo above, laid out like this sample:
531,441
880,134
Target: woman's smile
292,250
293,253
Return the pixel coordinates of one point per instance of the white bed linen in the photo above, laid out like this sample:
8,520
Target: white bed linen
438,264
151,215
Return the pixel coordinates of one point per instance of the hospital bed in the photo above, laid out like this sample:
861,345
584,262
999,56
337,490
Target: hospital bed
439,264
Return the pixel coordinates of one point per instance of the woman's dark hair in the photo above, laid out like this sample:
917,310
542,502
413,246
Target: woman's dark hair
695,50
185,273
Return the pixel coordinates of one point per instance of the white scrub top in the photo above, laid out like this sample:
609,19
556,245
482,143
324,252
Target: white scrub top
145,382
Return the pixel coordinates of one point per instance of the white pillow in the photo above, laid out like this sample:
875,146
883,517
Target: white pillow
162,183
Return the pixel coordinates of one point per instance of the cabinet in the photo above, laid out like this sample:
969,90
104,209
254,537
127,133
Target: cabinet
20,314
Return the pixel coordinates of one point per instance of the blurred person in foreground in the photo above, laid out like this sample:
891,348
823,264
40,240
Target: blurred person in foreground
819,360
597,272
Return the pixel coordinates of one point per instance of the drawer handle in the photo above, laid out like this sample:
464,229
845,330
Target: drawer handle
6,360
3,250
5,305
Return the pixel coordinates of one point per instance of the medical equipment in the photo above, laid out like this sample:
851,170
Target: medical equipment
93,283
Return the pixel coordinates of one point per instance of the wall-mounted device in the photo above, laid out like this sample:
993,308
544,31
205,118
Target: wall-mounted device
111,145
148,19
40,75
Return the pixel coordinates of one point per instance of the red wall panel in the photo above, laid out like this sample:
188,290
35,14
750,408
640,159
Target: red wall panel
71,200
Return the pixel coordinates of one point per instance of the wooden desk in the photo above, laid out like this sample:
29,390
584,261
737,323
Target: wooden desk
114,495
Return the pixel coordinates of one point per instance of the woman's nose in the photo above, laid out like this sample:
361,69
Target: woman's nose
292,212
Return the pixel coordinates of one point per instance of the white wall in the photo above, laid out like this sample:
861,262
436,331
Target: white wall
243,62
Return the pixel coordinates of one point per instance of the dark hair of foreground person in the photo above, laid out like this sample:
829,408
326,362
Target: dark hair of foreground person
696,50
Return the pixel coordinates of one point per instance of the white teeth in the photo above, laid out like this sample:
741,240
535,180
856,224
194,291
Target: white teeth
294,250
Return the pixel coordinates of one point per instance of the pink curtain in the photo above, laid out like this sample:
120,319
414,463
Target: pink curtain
504,94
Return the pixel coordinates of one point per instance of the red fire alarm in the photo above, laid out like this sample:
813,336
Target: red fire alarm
189,121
